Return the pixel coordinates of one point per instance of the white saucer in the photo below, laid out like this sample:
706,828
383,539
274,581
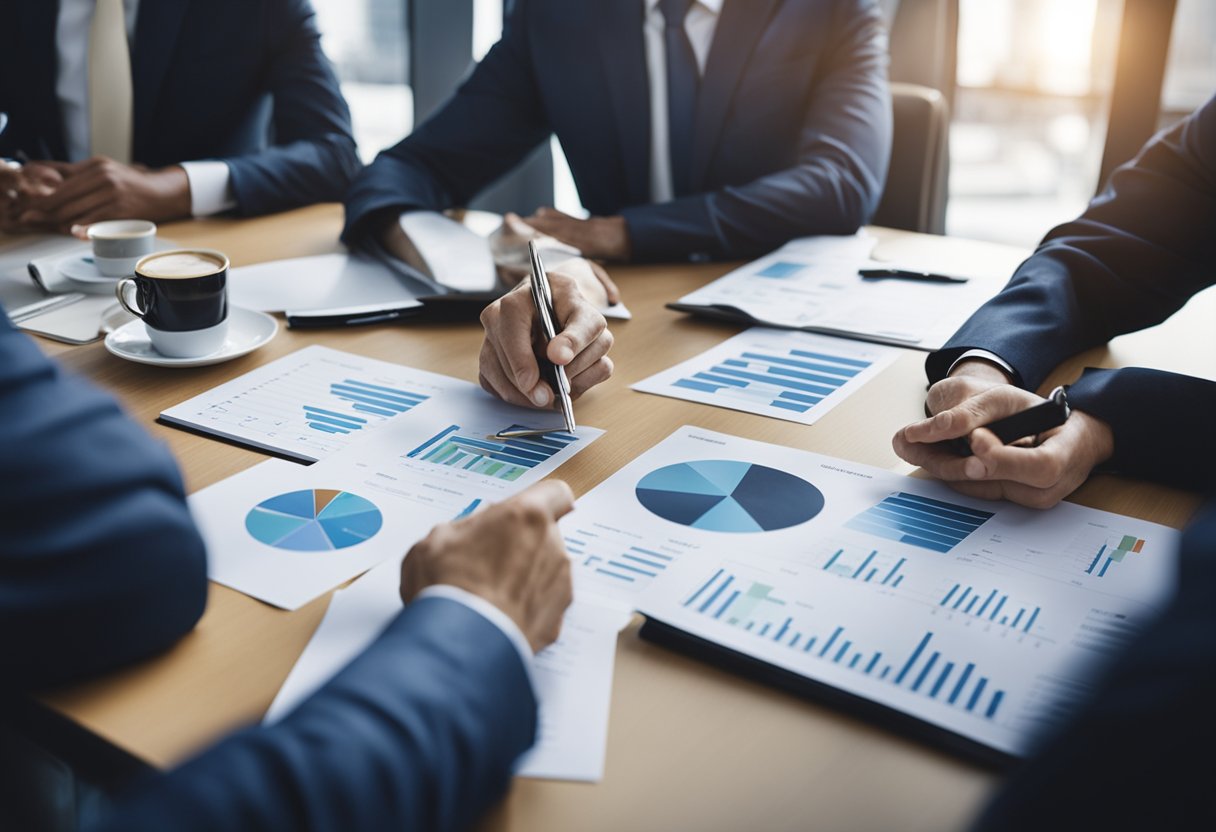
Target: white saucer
247,330
82,269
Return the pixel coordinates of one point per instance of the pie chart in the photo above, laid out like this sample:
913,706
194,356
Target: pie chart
721,495
315,520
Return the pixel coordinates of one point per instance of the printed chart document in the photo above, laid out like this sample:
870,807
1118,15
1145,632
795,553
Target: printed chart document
788,375
982,618
286,533
318,400
573,676
812,284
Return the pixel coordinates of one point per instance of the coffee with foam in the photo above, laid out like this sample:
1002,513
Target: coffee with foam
180,264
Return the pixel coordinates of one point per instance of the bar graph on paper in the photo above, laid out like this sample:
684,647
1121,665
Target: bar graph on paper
920,521
918,666
992,606
794,376
503,459
311,403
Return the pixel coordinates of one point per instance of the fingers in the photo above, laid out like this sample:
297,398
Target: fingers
591,356
971,413
610,287
597,373
508,323
581,323
495,381
553,497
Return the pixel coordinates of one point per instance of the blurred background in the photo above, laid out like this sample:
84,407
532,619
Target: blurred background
1032,92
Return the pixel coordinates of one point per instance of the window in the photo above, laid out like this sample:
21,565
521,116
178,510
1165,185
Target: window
1034,85
366,40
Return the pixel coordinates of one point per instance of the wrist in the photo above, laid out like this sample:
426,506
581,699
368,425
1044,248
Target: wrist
982,369
172,193
1100,438
615,234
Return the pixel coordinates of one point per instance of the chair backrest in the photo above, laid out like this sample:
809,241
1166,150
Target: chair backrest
924,58
918,177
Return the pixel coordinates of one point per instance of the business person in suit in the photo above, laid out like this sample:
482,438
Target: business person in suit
100,565
1138,755
164,109
1141,250
694,130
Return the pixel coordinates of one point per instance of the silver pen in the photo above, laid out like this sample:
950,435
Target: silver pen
542,299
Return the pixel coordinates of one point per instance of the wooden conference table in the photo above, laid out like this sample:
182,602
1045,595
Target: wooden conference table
690,747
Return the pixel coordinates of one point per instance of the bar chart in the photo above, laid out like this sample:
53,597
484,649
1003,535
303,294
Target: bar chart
366,400
1109,554
756,608
992,606
631,565
504,459
869,567
920,521
795,376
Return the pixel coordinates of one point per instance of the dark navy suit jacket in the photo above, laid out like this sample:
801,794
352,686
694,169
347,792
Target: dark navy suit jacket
1139,755
1141,250
243,81
793,127
100,565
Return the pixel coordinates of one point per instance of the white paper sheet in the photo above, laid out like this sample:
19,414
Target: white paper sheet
420,470
573,676
991,617
312,403
321,282
780,373
812,284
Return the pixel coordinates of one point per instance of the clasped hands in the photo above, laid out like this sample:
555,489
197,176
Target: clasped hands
56,196
1038,473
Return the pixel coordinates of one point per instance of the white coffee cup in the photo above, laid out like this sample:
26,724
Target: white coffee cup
119,244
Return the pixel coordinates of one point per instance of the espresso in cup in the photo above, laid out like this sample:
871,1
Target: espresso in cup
182,297
119,244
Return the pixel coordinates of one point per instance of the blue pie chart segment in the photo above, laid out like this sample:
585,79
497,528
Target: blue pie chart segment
314,520
729,496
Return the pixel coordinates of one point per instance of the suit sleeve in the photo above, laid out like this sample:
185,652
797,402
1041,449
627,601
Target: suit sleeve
492,122
835,186
1137,254
100,563
313,157
1161,422
419,732
1138,755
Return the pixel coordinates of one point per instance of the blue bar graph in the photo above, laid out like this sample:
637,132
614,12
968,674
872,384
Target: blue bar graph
504,459
363,398
920,521
789,380
863,567
923,669
994,603
631,566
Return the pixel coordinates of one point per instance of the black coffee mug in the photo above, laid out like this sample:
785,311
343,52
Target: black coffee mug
182,297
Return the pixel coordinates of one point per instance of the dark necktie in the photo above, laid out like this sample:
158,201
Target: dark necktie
683,79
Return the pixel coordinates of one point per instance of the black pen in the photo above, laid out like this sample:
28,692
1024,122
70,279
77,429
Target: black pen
1030,422
901,274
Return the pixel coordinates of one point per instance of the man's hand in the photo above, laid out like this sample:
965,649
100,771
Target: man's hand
18,186
102,189
1038,475
508,364
510,554
602,238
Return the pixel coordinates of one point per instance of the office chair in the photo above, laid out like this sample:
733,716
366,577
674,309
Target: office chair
915,195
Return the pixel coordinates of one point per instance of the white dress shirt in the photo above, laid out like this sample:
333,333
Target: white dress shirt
700,23
210,181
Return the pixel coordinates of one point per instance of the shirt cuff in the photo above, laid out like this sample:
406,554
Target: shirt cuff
210,187
492,614
986,356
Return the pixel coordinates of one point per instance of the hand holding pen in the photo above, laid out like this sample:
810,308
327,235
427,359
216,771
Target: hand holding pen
1037,469
509,368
